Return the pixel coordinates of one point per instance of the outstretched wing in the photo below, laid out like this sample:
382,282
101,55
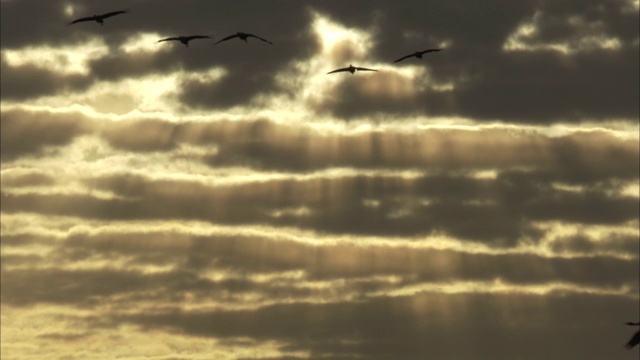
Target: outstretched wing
404,57
189,38
113,13
258,37
635,340
430,50
364,69
169,39
338,70
89,18
227,38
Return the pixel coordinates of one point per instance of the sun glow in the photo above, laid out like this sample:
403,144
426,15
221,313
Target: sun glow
144,43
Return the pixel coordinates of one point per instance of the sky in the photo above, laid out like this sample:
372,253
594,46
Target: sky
235,201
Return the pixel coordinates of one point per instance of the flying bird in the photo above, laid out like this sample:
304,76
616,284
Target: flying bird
242,36
185,39
417,54
352,69
635,340
99,18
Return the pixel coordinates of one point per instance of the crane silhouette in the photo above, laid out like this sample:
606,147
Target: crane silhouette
417,54
99,18
243,36
352,69
635,340
185,39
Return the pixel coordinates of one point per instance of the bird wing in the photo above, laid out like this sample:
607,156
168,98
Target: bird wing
168,39
196,37
113,13
635,340
429,50
338,70
88,18
258,37
227,38
364,69
404,57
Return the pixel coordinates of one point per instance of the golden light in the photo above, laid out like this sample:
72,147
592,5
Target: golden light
69,59
144,43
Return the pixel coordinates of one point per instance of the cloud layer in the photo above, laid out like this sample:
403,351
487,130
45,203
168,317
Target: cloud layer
234,201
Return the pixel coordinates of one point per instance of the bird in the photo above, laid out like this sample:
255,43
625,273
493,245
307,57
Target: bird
243,36
635,340
185,39
417,54
99,18
352,69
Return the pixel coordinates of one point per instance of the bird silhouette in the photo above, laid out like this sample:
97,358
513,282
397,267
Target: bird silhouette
243,36
185,39
352,69
417,54
99,18
635,340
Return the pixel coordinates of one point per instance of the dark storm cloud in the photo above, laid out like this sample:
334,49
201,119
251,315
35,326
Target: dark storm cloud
119,65
10,180
28,133
144,135
29,81
65,337
235,89
496,212
450,200
422,326
250,67
548,87
246,254
580,158
617,18
489,83
526,86
32,22
354,268
585,244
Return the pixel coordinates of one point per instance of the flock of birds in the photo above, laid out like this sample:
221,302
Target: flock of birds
242,36
635,340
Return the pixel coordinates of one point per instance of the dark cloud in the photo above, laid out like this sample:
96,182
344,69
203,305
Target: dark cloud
246,254
489,83
373,327
586,244
426,325
324,256
10,180
493,211
118,64
26,133
28,81
235,89
549,87
367,93
65,337
144,135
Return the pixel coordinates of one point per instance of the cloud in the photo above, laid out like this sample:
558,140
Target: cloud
26,179
25,133
18,81
235,201
389,328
